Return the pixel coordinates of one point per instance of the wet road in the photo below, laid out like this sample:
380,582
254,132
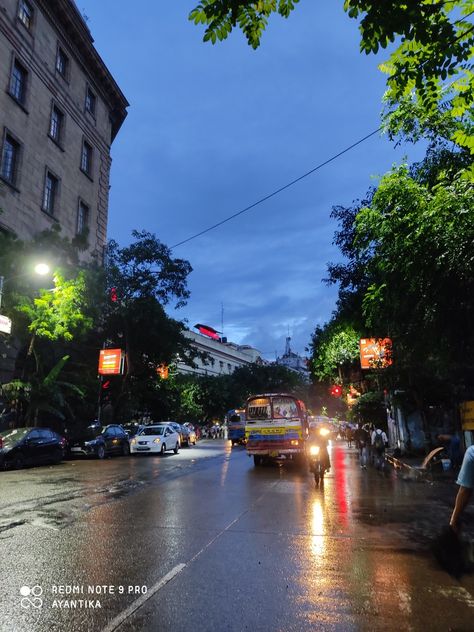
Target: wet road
203,541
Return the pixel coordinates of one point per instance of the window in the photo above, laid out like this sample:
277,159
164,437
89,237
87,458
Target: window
82,218
10,156
18,82
50,194
86,158
62,63
56,124
91,101
25,13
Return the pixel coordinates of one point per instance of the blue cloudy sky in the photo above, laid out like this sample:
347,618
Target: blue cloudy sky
212,129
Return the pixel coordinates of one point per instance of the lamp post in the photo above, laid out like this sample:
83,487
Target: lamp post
40,268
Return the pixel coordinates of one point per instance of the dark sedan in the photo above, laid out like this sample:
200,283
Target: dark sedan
30,446
100,441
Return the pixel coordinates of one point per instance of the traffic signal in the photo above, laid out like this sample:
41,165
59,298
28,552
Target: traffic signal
336,390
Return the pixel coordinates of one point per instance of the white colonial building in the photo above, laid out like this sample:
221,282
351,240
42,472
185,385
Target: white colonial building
224,357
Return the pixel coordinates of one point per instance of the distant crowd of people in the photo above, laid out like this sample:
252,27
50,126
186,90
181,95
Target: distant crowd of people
371,443
214,432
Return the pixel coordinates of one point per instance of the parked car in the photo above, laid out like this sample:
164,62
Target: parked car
30,446
156,439
192,438
100,441
132,428
179,429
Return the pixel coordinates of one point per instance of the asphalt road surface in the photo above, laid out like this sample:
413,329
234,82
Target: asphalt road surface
204,541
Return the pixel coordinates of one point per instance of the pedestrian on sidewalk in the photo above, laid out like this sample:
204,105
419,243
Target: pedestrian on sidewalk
379,443
465,481
448,547
363,440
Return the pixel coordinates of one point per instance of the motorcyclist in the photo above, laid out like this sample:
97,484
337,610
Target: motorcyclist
320,436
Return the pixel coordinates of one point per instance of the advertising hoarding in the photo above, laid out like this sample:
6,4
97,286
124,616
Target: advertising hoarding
375,353
110,362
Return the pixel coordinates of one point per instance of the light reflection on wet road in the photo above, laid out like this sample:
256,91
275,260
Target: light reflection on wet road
245,548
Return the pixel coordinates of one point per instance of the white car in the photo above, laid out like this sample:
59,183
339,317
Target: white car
155,439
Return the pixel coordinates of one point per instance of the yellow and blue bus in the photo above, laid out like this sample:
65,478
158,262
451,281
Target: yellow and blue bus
276,427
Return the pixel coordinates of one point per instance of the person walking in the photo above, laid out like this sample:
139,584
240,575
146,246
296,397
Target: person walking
363,440
379,443
465,481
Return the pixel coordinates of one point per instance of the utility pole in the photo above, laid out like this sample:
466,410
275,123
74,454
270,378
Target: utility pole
1,289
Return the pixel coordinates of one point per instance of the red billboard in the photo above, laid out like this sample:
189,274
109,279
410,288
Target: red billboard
110,362
375,353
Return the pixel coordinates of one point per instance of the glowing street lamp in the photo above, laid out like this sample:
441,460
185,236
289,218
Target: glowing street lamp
40,268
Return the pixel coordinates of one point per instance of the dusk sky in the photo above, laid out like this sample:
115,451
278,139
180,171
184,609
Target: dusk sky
212,129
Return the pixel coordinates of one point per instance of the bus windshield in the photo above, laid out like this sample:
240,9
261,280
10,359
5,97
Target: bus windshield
277,407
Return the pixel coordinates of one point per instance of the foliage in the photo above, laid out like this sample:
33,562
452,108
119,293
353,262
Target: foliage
207,397
332,346
146,268
370,408
221,16
409,274
58,313
42,396
144,277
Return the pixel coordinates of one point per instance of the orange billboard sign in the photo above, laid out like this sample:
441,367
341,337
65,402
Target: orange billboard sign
110,362
375,353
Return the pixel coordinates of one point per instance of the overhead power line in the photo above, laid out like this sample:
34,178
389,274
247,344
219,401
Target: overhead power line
277,191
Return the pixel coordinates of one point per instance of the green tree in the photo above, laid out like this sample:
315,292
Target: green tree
409,274
140,279
334,347
41,394
58,313
370,408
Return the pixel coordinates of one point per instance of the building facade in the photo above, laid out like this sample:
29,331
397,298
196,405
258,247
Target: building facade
294,362
60,110
224,357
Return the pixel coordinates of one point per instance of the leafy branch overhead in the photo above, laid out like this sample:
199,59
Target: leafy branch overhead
221,16
432,47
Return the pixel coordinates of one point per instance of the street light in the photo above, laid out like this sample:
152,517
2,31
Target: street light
40,268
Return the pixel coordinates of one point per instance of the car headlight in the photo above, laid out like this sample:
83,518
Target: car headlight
314,450
133,442
157,440
89,443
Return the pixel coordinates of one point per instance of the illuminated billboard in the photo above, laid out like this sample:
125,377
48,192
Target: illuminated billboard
208,331
375,353
110,362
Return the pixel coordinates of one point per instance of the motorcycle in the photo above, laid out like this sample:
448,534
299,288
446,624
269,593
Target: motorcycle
318,457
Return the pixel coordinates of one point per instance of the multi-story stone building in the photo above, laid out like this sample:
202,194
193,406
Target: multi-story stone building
60,110
222,357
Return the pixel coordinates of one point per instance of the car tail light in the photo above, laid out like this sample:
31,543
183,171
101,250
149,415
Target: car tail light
1,443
